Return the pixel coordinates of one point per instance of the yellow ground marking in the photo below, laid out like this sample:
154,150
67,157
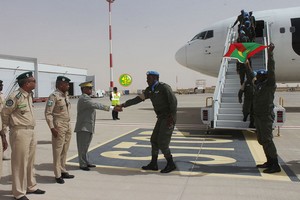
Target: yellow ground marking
259,157
186,134
99,145
255,149
127,145
214,160
202,140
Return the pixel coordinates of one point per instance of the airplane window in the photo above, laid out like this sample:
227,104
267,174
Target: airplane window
201,36
209,34
204,35
282,30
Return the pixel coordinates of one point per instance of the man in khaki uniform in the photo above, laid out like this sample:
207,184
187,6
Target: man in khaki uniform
18,115
57,113
3,141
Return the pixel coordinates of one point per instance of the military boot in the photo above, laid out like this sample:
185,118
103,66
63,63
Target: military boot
266,164
170,165
152,165
274,167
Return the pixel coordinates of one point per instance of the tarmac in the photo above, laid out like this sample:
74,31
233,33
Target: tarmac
219,165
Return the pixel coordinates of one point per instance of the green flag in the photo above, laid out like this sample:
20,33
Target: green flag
243,51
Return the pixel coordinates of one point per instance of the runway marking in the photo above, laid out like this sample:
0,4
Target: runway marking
225,154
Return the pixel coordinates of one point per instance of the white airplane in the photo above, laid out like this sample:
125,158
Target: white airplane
205,51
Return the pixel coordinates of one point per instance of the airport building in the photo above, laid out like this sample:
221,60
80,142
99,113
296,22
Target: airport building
45,75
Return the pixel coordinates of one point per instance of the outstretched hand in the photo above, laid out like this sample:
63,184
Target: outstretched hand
271,47
118,108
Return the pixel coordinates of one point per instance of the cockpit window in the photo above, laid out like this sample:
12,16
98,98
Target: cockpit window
204,35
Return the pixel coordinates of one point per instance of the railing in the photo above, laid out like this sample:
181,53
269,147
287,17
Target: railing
221,77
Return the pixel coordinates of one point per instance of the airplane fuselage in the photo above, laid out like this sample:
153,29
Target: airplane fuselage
205,51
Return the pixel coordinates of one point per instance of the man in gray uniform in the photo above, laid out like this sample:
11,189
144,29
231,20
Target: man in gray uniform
265,86
165,106
57,114
85,124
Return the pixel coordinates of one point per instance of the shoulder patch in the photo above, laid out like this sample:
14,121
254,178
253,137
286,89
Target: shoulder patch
9,102
49,103
19,95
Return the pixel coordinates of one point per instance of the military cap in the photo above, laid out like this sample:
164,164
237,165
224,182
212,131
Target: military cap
86,84
63,79
155,73
261,72
24,75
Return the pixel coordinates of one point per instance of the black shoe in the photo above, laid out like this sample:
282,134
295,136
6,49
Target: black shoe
118,118
23,198
60,180
272,169
169,167
114,118
37,191
85,168
91,165
67,175
150,166
265,165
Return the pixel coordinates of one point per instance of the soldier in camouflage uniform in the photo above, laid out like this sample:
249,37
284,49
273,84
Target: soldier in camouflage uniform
248,91
165,106
265,86
57,114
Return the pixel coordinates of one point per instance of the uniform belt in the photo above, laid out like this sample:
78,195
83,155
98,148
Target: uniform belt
22,127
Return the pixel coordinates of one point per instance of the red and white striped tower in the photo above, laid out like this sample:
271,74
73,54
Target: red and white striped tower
110,48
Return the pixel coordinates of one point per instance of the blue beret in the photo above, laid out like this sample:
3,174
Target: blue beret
261,72
63,79
155,73
24,75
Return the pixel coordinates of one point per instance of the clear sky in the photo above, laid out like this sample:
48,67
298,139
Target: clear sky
146,34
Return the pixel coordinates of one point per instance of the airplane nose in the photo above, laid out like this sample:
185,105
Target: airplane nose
180,56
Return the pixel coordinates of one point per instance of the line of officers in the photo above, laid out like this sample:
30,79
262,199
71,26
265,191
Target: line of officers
17,118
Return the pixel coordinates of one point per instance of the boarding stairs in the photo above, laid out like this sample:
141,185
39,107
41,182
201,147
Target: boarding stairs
229,113
226,111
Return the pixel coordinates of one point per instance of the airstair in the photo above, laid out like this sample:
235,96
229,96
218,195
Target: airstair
225,111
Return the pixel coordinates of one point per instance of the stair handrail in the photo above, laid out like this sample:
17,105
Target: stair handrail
221,77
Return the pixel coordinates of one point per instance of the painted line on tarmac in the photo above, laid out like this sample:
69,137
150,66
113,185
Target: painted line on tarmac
226,155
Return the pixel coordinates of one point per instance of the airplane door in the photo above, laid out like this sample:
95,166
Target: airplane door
259,29
295,30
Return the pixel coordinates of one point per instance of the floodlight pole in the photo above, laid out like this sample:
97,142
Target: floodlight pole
110,47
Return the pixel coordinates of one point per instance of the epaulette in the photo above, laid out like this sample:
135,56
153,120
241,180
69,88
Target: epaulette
19,95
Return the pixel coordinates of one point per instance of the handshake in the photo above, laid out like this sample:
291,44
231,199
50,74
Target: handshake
118,108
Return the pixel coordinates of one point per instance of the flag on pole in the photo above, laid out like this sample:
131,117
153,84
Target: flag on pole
243,51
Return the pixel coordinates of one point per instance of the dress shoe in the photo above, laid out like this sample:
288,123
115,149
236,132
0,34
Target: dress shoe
66,175
23,198
85,168
91,165
37,191
118,118
150,166
60,180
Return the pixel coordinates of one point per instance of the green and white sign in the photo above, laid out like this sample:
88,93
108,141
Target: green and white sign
125,80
